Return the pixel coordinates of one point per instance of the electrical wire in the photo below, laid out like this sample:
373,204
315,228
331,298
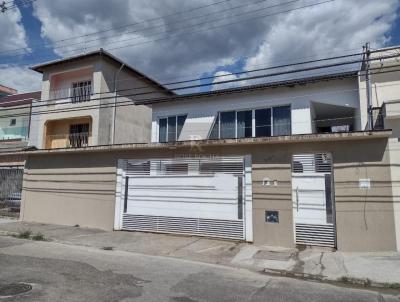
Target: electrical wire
319,67
191,32
132,103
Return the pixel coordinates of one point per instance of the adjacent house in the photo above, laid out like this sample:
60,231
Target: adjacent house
4,91
282,163
15,117
77,104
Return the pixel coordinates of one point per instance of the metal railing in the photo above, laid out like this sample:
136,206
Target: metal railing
70,140
77,94
10,190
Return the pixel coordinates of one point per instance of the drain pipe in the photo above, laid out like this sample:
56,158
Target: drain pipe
115,101
368,86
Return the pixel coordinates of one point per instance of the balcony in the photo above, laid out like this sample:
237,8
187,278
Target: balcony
14,133
77,94
68,133
69,140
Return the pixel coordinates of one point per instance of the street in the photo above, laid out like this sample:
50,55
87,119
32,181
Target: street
61,272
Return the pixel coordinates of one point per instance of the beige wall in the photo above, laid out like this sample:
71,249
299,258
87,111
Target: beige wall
78,188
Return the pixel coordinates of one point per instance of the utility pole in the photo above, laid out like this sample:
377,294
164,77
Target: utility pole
367,65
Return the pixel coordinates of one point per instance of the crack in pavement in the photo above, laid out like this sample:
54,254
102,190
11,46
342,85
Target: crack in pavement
258,290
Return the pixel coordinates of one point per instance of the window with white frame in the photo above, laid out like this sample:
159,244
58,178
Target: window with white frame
169,128
273,121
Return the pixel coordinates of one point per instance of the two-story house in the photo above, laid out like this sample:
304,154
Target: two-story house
79,100
280,163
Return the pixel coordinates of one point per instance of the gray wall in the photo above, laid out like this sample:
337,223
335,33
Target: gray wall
79,187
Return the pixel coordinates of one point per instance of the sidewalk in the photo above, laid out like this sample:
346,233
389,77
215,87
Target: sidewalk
375,269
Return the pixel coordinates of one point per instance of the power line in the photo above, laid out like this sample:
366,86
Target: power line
191,32
146,21
131,103
4,8
127,25
243,72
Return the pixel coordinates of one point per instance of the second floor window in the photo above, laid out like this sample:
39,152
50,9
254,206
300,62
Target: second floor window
170,128
81,91
252,123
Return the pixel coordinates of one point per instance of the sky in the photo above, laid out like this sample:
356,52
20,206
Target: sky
172,40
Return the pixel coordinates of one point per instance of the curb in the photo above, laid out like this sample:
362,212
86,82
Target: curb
344,280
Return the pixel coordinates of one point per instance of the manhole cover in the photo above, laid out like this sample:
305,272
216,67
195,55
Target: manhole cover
13,289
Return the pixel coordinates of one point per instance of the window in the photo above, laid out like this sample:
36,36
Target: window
282,120
78,135
239,124
244,123
81,91
13,122
263,122
170,128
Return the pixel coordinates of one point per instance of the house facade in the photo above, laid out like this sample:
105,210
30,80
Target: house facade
284,163
77,107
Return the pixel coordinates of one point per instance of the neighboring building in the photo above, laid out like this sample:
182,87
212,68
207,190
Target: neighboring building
4,91
77,104
282,163
15,119
385,99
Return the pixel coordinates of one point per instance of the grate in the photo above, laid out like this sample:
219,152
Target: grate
312,163
315,234
184,225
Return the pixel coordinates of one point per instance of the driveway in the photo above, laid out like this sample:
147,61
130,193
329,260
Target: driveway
65,272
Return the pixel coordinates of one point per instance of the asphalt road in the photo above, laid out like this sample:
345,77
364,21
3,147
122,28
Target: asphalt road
59,272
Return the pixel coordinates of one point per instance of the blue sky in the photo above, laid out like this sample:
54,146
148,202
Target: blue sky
329,28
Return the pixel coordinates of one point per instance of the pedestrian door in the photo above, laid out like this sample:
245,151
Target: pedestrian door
313,202
201,196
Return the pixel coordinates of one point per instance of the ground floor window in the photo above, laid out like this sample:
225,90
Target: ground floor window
252,123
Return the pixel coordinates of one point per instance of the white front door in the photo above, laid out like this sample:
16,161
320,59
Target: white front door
313,208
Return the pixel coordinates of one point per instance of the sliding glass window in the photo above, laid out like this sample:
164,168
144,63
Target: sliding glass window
282,121
170,128
252,123
263,122
244,124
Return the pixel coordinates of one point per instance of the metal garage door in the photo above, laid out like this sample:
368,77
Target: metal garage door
201,196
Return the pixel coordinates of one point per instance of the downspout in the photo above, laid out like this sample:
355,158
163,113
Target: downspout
115,101
368,87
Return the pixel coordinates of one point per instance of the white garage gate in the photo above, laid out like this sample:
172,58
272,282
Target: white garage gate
207,196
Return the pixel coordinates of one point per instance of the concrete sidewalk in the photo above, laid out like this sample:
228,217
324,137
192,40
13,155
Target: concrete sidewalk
366,269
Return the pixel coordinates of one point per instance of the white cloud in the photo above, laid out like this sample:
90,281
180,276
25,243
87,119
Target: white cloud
12,33
222,76
20,77
328,29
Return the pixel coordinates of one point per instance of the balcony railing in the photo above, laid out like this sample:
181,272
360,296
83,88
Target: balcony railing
71,140
77,94
14,133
